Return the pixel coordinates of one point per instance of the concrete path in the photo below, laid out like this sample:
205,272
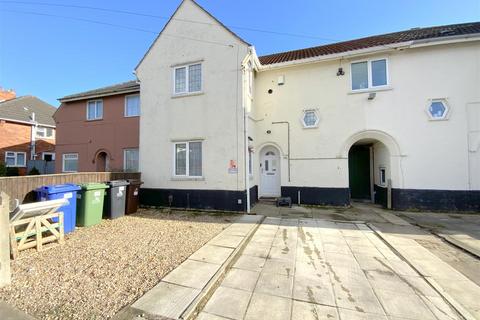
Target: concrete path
318,269
186,285
7,312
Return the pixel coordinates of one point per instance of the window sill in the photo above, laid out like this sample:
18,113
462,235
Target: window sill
189,94
310,127
136,116
187,179
92,120
369,90
15,166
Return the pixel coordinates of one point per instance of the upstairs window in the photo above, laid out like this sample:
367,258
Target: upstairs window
310,119
95,110
188,159
15,159
188,79
369,74
132,105
44,132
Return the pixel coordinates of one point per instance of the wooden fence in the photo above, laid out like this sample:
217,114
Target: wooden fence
23,188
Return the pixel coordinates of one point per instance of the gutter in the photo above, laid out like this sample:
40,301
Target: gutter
374,50
93,96
28,122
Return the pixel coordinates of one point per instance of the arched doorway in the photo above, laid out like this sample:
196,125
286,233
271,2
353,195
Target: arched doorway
101,162
374,161
269,172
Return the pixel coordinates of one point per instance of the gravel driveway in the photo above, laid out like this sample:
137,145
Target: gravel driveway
103,268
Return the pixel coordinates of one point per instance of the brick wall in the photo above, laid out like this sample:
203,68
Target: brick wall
16,137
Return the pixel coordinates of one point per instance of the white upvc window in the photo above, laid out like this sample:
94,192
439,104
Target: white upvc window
44,132
188,159
95,110
130,160
369,74
132,105
187,78
15,159
70,162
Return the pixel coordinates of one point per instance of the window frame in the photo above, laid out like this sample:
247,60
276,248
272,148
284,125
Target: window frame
96,106
16,165
446,105
302,119
50,153
187,86
369,74
125,159
187,160
382,183
63,161
45,129
125,107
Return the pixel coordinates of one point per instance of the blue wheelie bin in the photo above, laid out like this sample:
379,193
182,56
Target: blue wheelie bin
62,191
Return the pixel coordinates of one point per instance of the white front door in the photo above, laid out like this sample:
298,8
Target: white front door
269,172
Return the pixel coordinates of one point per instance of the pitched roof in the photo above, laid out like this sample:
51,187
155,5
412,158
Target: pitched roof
373,41
172,18
124,87
21,108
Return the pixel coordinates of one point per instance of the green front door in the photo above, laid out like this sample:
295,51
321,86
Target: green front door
359,172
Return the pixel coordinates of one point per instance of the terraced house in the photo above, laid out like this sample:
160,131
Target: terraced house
393,119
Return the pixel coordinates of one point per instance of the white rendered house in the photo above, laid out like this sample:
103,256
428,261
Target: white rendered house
221,127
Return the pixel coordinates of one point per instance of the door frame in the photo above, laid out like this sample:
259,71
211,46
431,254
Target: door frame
263,151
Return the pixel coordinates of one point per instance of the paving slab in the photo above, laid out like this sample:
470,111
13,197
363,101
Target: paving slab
167,300
212,254
241,279
311,311
250,263
275,284
193,274
229,303
263,306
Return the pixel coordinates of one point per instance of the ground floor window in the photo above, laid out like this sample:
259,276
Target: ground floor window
188,158
70,162
48,156
130,160
383,176
15,159
250,162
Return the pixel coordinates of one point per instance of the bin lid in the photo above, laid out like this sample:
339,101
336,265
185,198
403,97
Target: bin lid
117,183
59,188
93,186
135,182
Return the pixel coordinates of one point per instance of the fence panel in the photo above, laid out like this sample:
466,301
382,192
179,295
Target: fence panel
22,189
44,167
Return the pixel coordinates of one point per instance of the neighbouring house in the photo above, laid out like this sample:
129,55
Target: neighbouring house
391,114
27,132
97,130
7,94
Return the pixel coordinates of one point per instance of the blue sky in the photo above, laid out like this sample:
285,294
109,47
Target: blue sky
50,56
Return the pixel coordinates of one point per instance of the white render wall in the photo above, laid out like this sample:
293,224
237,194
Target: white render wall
215,116
425,154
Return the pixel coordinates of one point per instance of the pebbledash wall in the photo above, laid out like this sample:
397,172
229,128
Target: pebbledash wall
433,165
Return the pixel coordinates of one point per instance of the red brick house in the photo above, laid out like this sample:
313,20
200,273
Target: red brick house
98,130
27,132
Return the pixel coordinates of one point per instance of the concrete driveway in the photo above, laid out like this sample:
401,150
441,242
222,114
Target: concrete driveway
318,269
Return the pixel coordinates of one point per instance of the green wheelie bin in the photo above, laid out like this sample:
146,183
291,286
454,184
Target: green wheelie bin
90,204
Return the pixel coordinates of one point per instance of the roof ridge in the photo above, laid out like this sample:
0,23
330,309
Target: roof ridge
406,32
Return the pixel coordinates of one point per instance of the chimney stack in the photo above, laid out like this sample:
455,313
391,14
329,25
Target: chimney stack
7,94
